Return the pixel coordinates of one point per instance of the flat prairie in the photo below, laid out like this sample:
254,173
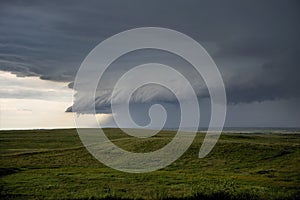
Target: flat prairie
54,164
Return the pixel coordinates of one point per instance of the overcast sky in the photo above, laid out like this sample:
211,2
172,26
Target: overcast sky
255,45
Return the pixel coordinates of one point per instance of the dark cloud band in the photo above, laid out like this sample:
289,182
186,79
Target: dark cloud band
255,44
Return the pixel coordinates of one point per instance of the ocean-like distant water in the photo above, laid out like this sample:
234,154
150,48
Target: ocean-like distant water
251,129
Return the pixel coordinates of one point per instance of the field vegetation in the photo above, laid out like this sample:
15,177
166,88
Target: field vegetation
53,164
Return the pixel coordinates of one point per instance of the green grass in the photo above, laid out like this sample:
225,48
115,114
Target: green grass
53,164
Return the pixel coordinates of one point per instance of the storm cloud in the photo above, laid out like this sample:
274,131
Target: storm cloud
255,44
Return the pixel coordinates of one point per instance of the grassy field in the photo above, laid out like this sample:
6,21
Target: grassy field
53,164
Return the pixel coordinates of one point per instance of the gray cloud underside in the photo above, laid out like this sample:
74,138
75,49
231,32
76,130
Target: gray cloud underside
255,44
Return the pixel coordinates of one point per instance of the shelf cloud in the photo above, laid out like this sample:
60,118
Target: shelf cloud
255,44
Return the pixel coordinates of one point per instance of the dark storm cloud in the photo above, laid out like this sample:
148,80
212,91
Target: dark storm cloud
255,43
278,78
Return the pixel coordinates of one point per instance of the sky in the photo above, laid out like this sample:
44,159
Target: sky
255,45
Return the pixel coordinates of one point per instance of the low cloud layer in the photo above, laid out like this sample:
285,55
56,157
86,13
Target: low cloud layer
255,44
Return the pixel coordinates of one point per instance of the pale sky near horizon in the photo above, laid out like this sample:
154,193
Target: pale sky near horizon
32,103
